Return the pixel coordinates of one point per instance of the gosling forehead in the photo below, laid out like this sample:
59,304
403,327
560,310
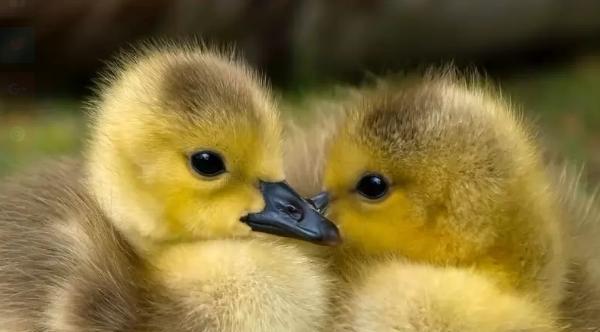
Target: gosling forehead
222,97
195,85
178,100
447,128
201,86
431,118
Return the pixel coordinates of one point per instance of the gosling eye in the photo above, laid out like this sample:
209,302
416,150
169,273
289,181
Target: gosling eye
372,186
207,163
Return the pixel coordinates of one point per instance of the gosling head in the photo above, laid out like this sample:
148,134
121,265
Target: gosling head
185,146
440,172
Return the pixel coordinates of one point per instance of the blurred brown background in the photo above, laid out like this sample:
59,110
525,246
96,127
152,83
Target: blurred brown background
545,54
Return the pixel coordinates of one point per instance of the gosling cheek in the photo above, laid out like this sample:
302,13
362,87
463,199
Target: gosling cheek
334,215
242,230
256,202
225,222
340,213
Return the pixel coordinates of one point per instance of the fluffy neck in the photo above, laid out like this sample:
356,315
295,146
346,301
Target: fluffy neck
110,182
530,249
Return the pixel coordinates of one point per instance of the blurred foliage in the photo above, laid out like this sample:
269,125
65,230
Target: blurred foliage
293,41
563,100
33,131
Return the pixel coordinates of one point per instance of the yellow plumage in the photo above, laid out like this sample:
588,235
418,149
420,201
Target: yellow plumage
401,296
470,201
140,238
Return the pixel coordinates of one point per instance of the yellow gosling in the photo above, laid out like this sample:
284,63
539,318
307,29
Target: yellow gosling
158,228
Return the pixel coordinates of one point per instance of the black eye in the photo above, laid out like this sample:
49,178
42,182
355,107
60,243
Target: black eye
372,186
207,163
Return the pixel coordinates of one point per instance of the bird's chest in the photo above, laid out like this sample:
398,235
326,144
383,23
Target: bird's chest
245,285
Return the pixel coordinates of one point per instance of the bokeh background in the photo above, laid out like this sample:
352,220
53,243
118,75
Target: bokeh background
544,54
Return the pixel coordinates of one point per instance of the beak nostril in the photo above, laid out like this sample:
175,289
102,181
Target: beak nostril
294,212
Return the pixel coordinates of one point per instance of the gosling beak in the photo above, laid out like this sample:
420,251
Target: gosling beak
287,214
320,201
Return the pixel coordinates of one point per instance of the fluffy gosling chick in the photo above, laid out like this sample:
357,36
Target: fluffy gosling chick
445,174
395,295
440,173
147,235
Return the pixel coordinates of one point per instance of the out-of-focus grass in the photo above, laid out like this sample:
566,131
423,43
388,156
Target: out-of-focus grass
30,132
564,101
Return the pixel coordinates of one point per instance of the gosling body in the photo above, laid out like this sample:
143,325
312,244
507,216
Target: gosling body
133,238
469,201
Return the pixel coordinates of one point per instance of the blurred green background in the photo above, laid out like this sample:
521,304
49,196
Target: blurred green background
544,55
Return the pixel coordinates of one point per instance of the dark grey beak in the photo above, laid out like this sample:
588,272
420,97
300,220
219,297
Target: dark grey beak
320,201
287,214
